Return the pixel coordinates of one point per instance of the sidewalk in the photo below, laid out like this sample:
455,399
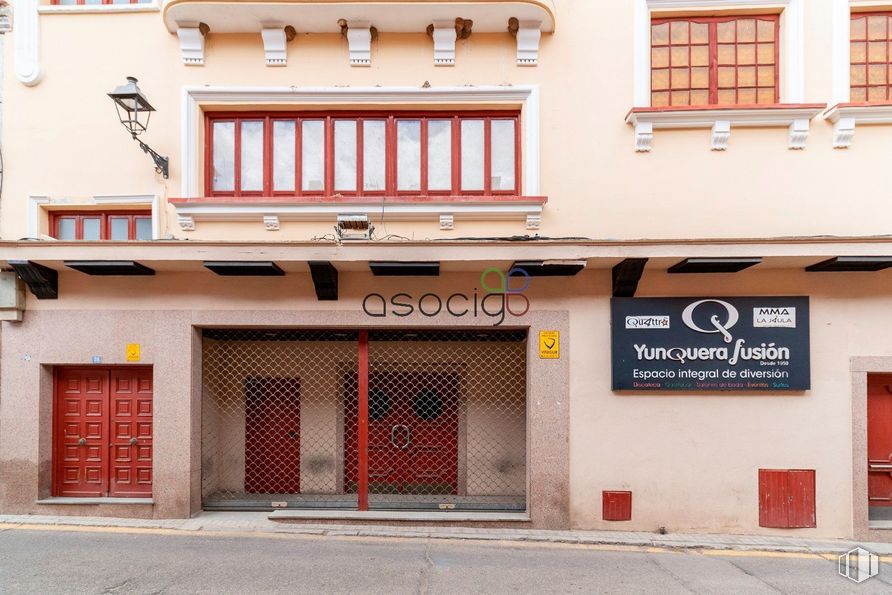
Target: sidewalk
257,522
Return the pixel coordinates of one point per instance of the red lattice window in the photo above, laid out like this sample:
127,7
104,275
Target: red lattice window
714,61
871,56
370,154
99,225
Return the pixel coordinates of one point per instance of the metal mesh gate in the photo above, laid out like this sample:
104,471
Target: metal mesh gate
444,419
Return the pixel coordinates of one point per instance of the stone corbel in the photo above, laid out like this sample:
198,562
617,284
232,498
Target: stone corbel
444,35
192,42
799,134
843,133
534,221
360,35
187,222
644,137
721,134
271,222
447,222
275,43
27,43
527,34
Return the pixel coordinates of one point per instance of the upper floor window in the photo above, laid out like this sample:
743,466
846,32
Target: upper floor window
871,56
98,225
369,154
714,61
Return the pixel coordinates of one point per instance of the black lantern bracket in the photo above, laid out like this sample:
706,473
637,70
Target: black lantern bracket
162,164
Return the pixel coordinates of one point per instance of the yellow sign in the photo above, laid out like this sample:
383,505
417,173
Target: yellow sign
549,345
132,352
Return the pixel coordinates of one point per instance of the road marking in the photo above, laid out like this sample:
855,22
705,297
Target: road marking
6,527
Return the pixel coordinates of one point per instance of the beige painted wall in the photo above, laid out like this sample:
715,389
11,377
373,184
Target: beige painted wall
61,137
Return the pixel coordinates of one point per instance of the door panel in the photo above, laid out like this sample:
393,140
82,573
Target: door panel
82,433
879,440
98,413
131,435
272,436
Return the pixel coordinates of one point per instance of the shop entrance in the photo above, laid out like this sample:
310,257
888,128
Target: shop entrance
879,446
387,420
102,433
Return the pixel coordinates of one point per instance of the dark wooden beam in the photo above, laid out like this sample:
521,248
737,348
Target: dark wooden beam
42,281
626,276
325,279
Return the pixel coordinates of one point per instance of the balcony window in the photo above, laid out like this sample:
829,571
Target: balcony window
714,61
98,225
370,154
871,57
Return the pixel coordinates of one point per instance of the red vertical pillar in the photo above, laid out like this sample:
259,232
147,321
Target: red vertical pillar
363,422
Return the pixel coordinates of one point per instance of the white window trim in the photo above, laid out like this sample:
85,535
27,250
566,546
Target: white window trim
97,8
792,31
527,96
37,210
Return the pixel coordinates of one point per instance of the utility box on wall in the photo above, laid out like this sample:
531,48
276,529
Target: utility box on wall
617,506
12,297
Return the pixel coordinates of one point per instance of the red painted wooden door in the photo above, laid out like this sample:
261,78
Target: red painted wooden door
130,414
413,434
879,440
103,430
272,436
787,498
81,445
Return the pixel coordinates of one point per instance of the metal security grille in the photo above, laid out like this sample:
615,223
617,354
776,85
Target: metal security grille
427,419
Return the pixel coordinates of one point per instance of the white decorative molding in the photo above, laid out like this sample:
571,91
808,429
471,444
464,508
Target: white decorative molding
187,222
840,41
799,130
524,96
792,35
447,222
846,116
275,44
137,199
271,222
35,204
444,37
644,137
27,42
534,221
721,120
528,36
191,44
721,134
50,9
359,42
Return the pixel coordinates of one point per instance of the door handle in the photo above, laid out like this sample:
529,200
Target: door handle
880,466
133,441
82,442
393,432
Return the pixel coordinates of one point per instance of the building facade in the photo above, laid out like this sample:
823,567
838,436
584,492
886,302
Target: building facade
594,265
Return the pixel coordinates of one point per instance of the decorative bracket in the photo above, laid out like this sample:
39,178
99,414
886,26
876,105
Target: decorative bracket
359,40
271,222
534,221
843,133
275,43
27,43
447,222
444,35
798,134
528,35
192,43
187,222
644,137
721,134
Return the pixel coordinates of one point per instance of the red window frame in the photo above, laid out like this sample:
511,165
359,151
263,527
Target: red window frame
867,86
391,173
714,50
104,224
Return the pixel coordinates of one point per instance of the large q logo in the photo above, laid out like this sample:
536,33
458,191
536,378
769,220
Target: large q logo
719,327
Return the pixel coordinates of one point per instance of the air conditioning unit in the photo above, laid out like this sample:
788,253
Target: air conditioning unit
5,17
12,297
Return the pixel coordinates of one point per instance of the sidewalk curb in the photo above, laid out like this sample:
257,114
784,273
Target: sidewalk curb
261,526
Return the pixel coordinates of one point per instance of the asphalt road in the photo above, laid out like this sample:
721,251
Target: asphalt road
114,561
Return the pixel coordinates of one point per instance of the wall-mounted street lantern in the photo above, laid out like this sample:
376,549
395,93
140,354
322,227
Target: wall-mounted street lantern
134,111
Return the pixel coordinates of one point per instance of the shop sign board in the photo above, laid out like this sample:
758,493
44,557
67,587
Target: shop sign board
711,344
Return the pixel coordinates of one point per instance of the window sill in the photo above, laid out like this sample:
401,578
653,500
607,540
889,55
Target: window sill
445,209
97,8
721,119
845,116
93,501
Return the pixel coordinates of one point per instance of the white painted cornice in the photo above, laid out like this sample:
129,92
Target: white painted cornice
846,116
